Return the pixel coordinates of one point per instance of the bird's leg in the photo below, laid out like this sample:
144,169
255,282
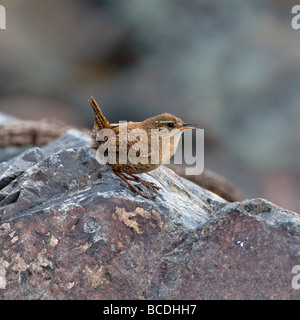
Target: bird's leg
147,184
132,187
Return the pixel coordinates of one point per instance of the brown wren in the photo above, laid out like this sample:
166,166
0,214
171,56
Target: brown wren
162,124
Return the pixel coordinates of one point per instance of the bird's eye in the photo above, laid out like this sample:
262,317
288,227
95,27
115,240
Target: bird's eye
170,124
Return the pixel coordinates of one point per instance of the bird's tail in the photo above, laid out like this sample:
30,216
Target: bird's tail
100,121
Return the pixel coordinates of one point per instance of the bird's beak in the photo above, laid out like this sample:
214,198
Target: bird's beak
190,126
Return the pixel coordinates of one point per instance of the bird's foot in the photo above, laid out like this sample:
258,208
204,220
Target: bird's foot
132,187
147,184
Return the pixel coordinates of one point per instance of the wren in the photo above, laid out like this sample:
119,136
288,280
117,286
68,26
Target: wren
163,124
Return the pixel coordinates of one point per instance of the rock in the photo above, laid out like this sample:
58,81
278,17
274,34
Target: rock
5,118
9,152
68,230
71,139
12,169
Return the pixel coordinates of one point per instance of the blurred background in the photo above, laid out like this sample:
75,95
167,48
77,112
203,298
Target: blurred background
231,66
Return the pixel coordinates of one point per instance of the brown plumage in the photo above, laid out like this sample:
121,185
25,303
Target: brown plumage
165,121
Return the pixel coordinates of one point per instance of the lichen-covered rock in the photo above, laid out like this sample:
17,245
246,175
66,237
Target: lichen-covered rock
68,230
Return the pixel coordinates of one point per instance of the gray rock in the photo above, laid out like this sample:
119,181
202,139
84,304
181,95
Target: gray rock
74,173
5,118
68,230
15,167
10,152
71,139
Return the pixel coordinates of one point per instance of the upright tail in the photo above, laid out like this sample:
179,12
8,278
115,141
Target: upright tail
100,121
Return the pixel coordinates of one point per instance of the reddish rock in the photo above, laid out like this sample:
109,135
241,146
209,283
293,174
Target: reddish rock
68,230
